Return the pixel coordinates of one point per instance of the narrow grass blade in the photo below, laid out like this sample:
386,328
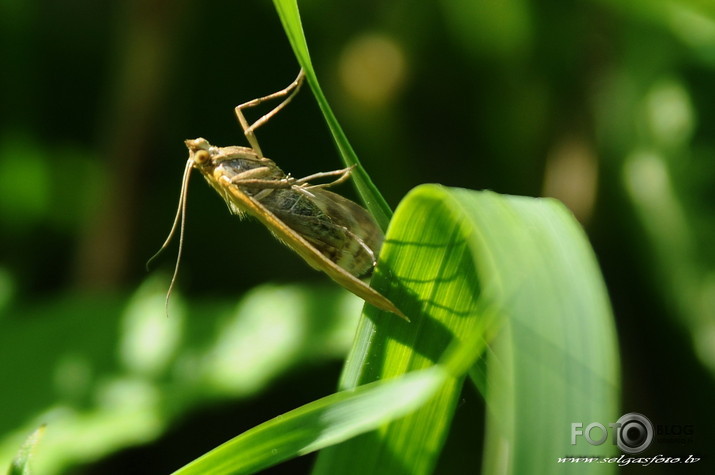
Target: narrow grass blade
322,423
375,203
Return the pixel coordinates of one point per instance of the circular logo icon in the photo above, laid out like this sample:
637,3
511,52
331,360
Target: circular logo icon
635,433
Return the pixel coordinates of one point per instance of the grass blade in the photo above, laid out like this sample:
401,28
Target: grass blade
322,423
371,196
472,269
465,265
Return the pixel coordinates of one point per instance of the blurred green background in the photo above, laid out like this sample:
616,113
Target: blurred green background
608,106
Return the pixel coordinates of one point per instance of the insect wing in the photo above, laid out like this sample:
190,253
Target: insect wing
350,215
306,250
363,238
344,234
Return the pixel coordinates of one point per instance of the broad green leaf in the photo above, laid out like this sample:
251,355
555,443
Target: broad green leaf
555,361
472,269
356,410
464,264
290,18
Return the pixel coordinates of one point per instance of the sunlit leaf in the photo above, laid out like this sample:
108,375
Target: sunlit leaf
21,463
319,424
462,258
471,269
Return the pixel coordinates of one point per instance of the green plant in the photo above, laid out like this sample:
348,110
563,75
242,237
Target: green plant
503,291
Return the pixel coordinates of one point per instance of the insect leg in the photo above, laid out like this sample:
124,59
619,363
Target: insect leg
257,177
256,182
249,129
344,175
252,174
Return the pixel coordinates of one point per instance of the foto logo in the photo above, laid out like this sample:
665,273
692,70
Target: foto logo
633,432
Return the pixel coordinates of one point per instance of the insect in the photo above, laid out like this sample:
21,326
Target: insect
330,232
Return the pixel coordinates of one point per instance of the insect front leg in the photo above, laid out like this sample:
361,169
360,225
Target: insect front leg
249,129
344,174
247,179
253,174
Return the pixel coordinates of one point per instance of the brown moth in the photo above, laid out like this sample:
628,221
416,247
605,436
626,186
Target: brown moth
331,233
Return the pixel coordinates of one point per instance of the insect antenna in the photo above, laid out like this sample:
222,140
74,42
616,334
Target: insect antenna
179,221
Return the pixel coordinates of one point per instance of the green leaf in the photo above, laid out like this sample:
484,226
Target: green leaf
464,265
471,269
324,422
375,203
21,463
474,270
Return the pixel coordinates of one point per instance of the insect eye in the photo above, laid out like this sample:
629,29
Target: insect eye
201,157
